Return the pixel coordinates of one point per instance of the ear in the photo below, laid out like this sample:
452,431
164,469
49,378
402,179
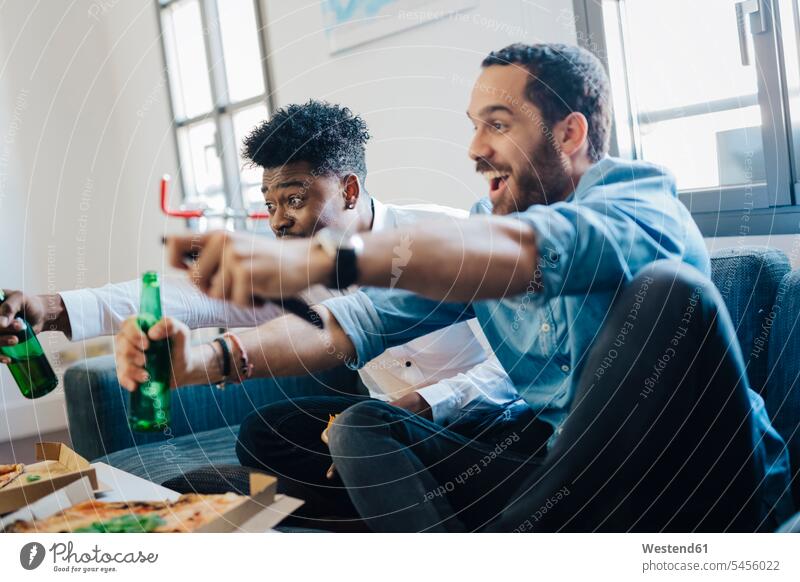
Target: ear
351,189
574,133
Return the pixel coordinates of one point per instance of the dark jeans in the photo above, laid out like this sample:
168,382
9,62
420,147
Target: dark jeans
660,437
283,439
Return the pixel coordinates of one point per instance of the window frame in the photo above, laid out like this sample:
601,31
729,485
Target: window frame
223,109
739,210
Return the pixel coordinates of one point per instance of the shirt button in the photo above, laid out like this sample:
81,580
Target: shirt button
545,327
565,368
408,364
559,430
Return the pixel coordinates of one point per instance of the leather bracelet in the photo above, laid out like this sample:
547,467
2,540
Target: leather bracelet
246,368
225,361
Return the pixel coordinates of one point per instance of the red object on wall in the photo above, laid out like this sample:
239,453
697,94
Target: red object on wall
198,212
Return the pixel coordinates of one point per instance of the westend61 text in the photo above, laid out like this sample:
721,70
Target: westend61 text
670,549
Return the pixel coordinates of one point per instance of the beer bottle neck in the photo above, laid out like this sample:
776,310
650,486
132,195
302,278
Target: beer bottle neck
150,302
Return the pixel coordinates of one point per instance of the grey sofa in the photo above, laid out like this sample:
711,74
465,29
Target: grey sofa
205,420
757,284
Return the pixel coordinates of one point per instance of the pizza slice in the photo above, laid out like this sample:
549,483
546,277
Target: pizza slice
324,435
10,472
331,472
188,513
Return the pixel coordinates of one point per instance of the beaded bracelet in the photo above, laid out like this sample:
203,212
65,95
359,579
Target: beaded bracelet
224,360
246,368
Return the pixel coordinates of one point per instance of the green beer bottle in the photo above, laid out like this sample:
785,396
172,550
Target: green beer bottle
29,365
149,409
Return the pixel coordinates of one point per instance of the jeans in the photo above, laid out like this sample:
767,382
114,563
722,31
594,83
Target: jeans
660,437
283,439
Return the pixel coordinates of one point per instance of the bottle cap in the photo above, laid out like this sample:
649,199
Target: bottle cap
150,278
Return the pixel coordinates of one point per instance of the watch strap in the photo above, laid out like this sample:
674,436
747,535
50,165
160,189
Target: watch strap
345,271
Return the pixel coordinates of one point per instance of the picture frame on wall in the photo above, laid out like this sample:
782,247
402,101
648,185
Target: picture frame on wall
351,23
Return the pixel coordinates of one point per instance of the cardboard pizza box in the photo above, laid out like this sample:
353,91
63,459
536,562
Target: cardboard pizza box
261,510
67,496
57,466
262,495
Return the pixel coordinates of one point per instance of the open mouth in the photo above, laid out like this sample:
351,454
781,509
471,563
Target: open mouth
498,182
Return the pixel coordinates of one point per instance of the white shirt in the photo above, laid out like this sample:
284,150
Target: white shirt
452,369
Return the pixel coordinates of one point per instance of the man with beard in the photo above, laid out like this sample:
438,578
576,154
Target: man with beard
590,280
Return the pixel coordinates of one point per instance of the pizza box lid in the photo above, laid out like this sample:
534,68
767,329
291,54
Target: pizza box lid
260,512
67,496
57,466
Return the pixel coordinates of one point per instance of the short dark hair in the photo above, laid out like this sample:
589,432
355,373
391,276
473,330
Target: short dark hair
329,137
564,78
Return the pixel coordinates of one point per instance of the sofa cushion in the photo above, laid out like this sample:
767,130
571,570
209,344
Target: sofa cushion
162,461
213,479
97,407
783,388
748,279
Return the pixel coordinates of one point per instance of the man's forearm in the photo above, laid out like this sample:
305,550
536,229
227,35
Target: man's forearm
289,346
286,346
458,261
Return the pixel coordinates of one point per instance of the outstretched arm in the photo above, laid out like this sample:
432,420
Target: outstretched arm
455,261
595,243
485,257
286,346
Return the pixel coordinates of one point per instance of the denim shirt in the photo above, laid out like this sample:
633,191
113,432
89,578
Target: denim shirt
622,216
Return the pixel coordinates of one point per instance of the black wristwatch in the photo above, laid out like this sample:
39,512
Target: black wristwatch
343,249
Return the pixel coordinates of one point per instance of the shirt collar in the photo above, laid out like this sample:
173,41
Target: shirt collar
593,176
381,216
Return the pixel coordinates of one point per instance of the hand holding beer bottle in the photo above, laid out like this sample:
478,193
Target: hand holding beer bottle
153,354
150,404
24,354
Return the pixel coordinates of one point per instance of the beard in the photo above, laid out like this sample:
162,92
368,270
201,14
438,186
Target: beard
545,180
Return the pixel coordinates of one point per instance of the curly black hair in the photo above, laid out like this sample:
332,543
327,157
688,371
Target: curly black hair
329,137
564,78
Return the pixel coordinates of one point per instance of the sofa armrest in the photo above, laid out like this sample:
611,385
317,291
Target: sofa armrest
97,406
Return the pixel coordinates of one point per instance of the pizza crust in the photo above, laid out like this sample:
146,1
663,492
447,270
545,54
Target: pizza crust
10,472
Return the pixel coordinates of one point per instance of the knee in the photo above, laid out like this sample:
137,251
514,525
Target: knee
257,435
350,433
674,285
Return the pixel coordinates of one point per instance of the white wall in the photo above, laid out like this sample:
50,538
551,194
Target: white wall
82,86
412,88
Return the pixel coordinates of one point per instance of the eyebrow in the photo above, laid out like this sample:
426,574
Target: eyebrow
289,184
489,109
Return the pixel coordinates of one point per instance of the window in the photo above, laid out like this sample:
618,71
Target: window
706,88
218,82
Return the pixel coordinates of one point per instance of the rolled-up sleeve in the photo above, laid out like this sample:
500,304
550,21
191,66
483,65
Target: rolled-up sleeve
485,388
377,319
361,323
602,239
